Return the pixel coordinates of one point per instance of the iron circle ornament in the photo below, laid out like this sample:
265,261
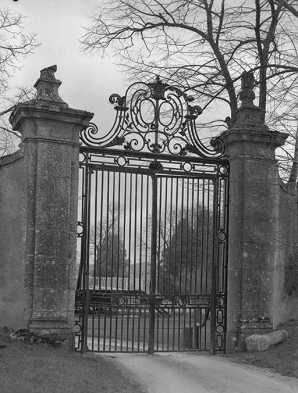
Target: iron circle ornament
77,328
221,236
223,170
220,301
121,161
82,158
187,166
155,117
220,329
182,301
80,229
120,300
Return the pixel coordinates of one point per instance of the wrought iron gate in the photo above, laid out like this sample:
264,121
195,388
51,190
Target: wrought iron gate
152,229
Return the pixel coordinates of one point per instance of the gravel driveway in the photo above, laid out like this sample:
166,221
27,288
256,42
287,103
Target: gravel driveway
192,372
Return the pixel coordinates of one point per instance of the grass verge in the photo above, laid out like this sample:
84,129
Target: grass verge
30,368
281,358
35,368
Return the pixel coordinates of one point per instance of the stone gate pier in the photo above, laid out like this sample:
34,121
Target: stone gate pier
256,256
50,158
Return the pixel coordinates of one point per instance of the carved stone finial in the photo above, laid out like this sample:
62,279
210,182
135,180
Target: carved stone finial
247,80
247,94
248,115
48,73
47,88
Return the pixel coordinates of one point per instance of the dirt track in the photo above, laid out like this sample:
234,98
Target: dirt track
196,373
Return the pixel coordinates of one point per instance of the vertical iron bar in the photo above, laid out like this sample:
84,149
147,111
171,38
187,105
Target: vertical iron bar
163,285
152,305
181,258
214,267
207,256
158,250
129,254
86,260
187,238
124,245
202,228
135,232
146,257
135,252
101,251
170,288
181,240
176,272
226,195
80,285
112,258
113,229
95,233
193,238
107,232
94,240
118,258
140,289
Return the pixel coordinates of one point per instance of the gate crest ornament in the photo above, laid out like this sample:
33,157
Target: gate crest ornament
157,118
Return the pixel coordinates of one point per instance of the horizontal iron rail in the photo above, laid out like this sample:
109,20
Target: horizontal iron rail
159,173
161,156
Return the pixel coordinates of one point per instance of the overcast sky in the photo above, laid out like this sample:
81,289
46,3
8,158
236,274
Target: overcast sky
87,82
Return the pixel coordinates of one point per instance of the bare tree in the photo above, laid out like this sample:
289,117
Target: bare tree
15,44
289,5
205,46
107,248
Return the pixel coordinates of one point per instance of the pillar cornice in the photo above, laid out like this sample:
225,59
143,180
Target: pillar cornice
252,143
236,135
48,112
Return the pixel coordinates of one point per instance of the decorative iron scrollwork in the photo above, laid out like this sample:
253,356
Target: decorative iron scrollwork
154,117
119,101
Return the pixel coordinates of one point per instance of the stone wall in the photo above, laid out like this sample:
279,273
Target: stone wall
286,307
12,240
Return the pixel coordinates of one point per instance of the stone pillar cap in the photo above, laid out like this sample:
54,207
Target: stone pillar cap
47,103
249,115
47,88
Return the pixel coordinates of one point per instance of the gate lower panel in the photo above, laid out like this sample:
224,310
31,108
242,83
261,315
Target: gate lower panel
111,329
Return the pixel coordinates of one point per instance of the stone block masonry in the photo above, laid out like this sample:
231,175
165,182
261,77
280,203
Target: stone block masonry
50,141
254,284
12,240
